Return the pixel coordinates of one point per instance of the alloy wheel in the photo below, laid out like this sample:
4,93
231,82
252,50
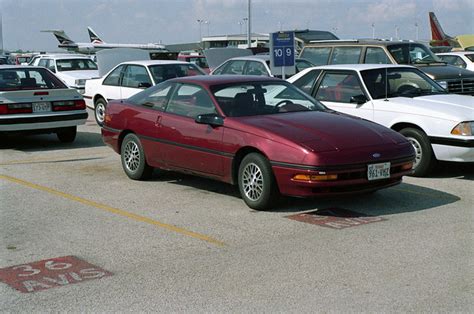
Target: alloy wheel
252,181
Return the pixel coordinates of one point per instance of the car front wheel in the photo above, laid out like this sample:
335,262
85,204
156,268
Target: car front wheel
99,111
133,158
257,184
424,160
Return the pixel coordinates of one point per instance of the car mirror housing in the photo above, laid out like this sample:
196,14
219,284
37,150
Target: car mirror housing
359,99
144,85
211,119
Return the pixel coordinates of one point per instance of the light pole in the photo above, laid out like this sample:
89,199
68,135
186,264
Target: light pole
249,28
240,26
416,27
396,32
200,28
373,30
208,23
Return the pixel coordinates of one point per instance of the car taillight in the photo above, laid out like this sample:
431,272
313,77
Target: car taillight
78,104
15,108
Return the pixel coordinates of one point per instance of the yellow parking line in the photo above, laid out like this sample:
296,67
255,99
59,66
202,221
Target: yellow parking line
114,210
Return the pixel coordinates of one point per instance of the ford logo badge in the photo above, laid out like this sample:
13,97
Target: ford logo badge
376,155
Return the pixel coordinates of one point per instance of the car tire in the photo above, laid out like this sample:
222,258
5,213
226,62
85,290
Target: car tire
99,111
67,135
257,184
133,158
425,159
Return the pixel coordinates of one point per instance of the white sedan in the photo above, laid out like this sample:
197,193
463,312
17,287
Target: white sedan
129,78
439,125
33,100
462,59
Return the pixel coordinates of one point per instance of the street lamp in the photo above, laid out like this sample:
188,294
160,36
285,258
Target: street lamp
373,30
396,32
208,23
200,28
240,26
416,27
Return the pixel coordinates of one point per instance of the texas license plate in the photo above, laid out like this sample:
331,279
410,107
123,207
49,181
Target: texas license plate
378,171
41,106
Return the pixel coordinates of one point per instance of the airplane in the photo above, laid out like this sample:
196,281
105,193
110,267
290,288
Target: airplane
95,39
440,39
65,42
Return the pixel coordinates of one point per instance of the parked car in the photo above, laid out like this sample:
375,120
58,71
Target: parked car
255,65
129,78
72,69
439,125
462,59
33,100
260,133
195,57
455,80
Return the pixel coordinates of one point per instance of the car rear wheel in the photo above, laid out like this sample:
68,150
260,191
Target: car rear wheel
133,158
424,160
257,184
67,135
99,111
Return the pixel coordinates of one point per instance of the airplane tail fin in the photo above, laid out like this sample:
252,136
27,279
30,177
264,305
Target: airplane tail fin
95,39
60,36
437,32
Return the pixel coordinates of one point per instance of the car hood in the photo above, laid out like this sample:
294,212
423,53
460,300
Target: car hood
445,106
324,131
82,74
440,72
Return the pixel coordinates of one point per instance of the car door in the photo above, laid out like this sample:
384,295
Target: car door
135,79
187,144
343,91
110,88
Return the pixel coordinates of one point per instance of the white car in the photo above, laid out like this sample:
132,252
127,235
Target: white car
129,78
462,59
72,69
439,125
33,100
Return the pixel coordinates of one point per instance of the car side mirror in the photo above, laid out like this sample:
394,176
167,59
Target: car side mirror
144,85
358,99
210,118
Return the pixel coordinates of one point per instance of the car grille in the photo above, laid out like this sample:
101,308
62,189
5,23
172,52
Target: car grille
462,86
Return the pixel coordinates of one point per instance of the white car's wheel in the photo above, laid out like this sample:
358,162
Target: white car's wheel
424,160
99,111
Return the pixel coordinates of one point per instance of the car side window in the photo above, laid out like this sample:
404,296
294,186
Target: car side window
317,55
256,68
339,87
306,82
376,55
346,55
234,67
113,79
154,97
134,76
190,101
454,60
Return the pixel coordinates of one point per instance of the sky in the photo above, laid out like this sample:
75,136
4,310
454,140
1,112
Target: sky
175,21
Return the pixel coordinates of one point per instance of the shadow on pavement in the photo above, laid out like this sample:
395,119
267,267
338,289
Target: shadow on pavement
458,170
47,142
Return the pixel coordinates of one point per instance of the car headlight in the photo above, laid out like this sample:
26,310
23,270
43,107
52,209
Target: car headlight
80,82
464,128
443,84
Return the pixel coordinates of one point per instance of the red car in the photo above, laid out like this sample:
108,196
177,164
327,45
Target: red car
260,133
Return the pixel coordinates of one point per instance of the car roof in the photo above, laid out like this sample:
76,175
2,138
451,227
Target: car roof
210,80
10,66
63,56
455,53
154,62
362,67
252,58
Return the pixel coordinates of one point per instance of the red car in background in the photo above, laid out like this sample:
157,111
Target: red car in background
260,133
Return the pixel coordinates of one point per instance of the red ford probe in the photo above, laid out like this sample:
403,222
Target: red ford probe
260,133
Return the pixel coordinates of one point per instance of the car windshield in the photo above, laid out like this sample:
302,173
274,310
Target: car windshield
413,54
262,98
400,83
163,72
28,78
75,65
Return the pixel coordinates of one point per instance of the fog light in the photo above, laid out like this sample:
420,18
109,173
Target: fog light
407,166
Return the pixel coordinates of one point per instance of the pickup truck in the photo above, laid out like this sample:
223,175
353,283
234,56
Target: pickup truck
131,77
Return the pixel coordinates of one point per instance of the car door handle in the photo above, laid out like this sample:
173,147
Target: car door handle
158,121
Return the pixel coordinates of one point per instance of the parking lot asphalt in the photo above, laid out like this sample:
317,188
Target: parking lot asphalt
186,244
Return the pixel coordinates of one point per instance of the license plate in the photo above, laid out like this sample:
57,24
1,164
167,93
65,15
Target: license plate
41,106
378,171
